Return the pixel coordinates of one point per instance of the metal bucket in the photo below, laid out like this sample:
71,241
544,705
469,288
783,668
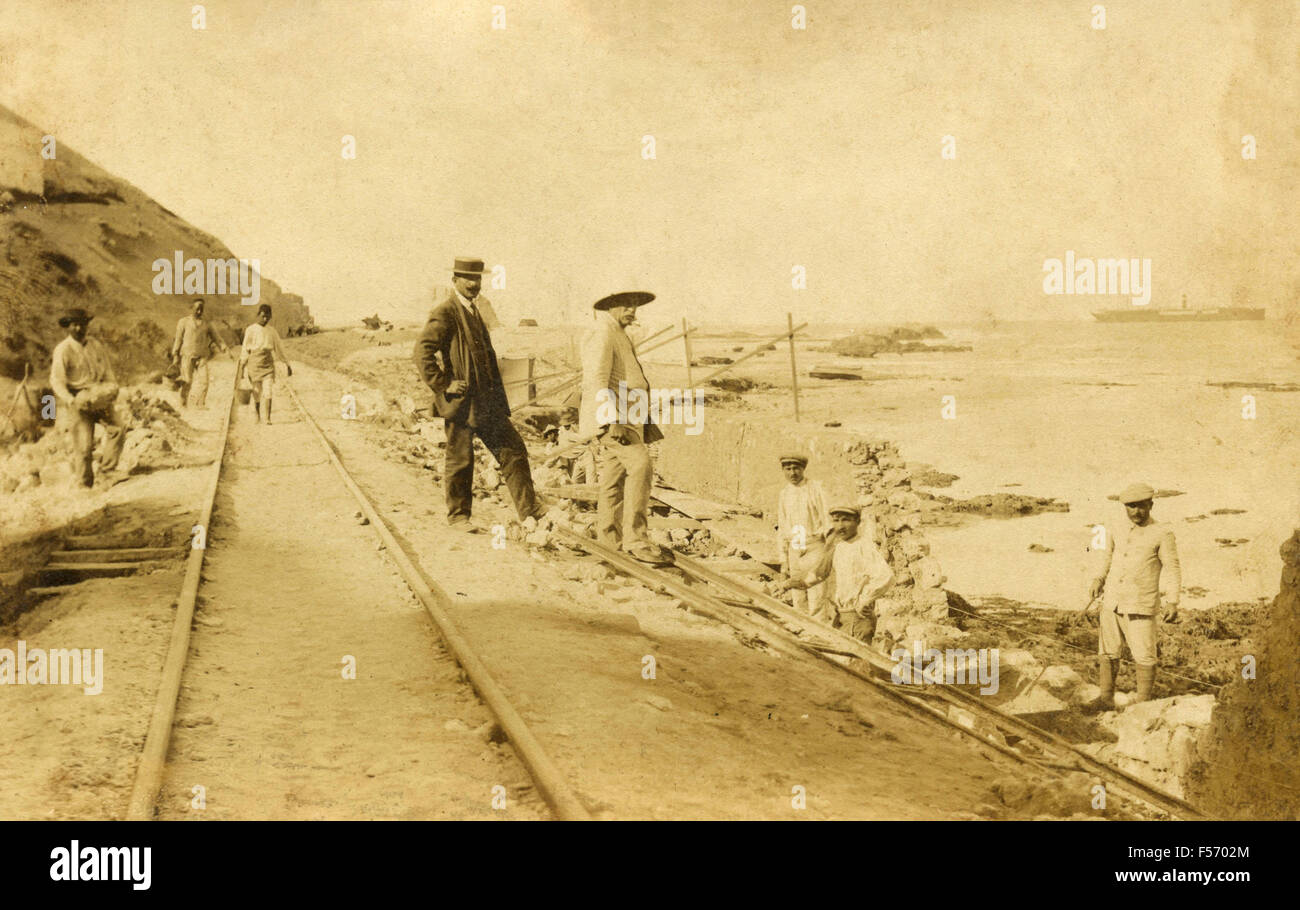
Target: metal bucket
245,395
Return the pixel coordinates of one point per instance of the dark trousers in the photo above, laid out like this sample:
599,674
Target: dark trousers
502,440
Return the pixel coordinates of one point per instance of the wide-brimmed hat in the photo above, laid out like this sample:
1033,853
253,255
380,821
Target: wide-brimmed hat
466,266
846,510
76,314
1135,492
623,298
794,458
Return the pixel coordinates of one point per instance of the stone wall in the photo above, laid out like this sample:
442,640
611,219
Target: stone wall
736,460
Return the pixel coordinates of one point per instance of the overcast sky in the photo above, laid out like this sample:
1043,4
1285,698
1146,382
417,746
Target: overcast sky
775,147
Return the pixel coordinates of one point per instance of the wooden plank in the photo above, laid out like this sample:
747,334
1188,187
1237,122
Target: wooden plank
93,569
583,492
96,541
691,506
755,352
672,521
125,554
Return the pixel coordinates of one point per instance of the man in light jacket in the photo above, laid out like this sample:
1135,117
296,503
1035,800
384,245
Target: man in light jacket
616,413
1140,558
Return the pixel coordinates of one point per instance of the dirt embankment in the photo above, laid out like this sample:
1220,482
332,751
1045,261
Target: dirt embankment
73,235
1251,752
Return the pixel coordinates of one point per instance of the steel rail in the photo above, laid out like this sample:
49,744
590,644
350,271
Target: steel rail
153,755
551,784
958,697
773,614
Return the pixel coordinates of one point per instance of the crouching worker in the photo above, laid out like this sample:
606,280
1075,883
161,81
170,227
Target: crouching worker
861,574
81,375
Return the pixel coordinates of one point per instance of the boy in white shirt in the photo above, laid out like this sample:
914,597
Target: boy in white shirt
801,525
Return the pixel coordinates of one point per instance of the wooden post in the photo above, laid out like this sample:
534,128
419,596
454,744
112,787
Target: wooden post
794,371
532,387
686,343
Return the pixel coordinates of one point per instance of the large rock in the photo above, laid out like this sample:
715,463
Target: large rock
1062,681
927,574
1157,739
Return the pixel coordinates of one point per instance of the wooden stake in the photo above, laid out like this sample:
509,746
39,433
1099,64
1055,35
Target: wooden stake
794,371
743,357
686,342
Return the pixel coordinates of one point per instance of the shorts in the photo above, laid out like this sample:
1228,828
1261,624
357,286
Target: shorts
1137,630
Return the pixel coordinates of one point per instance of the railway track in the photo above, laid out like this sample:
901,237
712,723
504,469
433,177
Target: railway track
152,767
758,615
751,612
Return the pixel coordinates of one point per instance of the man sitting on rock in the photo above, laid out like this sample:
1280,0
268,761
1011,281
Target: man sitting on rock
1138,557
861,574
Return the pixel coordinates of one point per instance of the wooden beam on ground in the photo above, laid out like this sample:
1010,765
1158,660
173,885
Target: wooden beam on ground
126,554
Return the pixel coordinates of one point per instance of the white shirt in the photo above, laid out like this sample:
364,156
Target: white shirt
802,506
484,306
861,574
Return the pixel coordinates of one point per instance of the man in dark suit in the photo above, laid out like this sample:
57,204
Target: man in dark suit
456,360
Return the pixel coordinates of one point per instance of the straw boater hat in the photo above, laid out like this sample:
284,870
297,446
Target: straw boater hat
794,458
623,298
1135,492
76,314
467,266
846,510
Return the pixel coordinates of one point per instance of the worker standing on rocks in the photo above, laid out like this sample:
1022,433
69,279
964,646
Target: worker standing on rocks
1138,558
257,356
801,526
191,349
455,357
616,413
81,376
861,572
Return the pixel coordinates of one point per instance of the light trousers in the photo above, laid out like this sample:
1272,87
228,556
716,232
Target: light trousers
625,480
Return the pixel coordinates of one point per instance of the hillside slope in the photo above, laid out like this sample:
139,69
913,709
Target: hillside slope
73,235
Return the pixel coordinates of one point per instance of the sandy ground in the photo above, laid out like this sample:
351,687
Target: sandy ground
267,724
269,728
722,731
67,754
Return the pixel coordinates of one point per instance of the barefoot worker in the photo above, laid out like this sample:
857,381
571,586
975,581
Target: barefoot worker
195,339
257,358
615,412
1140,554
81,376
801,526
861,573
457,362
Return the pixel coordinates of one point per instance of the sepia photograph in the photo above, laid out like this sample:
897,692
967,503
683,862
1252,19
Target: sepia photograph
650,410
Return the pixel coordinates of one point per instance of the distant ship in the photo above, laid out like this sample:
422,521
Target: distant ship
1208,314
